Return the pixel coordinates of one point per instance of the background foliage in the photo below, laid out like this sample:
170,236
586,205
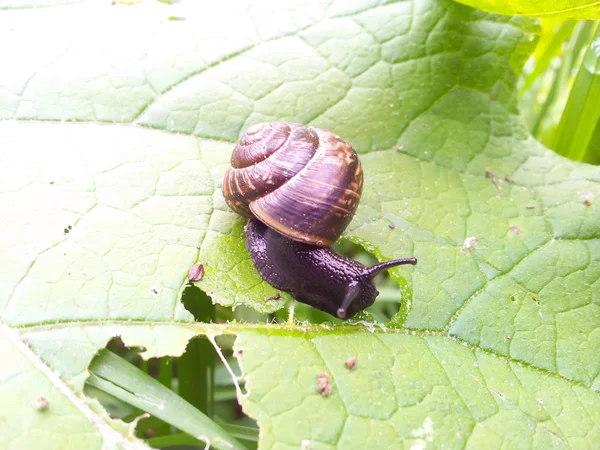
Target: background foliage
113,146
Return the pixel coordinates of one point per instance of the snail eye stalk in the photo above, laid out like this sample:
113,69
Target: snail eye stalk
351,295
375,270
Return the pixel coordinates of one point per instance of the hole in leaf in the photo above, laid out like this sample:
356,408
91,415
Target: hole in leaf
193,395
199,303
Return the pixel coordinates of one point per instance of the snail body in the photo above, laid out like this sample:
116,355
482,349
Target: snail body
300,186
317,276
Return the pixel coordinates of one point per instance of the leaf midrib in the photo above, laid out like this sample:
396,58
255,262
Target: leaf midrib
298,330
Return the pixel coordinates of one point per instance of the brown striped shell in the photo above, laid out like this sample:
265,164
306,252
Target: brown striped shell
303,182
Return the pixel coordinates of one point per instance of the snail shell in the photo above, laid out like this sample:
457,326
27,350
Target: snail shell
303,182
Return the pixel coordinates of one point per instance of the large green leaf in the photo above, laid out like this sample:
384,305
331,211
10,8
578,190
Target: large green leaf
102,216
564,9
412,389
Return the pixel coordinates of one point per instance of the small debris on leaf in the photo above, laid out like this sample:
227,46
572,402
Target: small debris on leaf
196,272
324,384
274,297
515,230
530,207
350,363
508,179
470,242
392,226
587,197
41,403
490,174
306,445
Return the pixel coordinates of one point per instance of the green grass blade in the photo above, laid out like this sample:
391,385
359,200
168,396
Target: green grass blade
552,49
241,432
543,103
578,122
165,377
165,373
196,367
123,380
177,439
196,375
592,156
182,439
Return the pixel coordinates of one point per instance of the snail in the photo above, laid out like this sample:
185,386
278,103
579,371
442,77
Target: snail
299,186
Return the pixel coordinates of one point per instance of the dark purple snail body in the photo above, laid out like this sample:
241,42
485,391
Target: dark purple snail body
300,187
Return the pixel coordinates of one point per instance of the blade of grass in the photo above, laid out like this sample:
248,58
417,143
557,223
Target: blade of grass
165,371
180,439
582,111
165,377
241,432
177,439
196,367
552,48
225,393
196,375
112,374
593,154
543,103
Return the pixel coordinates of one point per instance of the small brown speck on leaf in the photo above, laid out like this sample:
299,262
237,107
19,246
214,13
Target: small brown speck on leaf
515,230
274,297
530,207
41,403
350,363
196,272
392,226
490,174
324,384
508,179
588,202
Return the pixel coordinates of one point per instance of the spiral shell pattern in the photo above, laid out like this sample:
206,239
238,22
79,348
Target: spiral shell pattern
303,182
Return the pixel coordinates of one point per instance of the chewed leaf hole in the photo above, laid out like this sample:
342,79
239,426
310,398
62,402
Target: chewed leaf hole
394,296
200,304
190,400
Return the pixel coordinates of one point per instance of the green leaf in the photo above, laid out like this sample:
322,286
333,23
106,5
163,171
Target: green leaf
103,216
565,9
38,406
407,388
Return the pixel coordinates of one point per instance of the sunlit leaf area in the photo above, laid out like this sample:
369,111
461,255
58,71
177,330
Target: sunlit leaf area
134,315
